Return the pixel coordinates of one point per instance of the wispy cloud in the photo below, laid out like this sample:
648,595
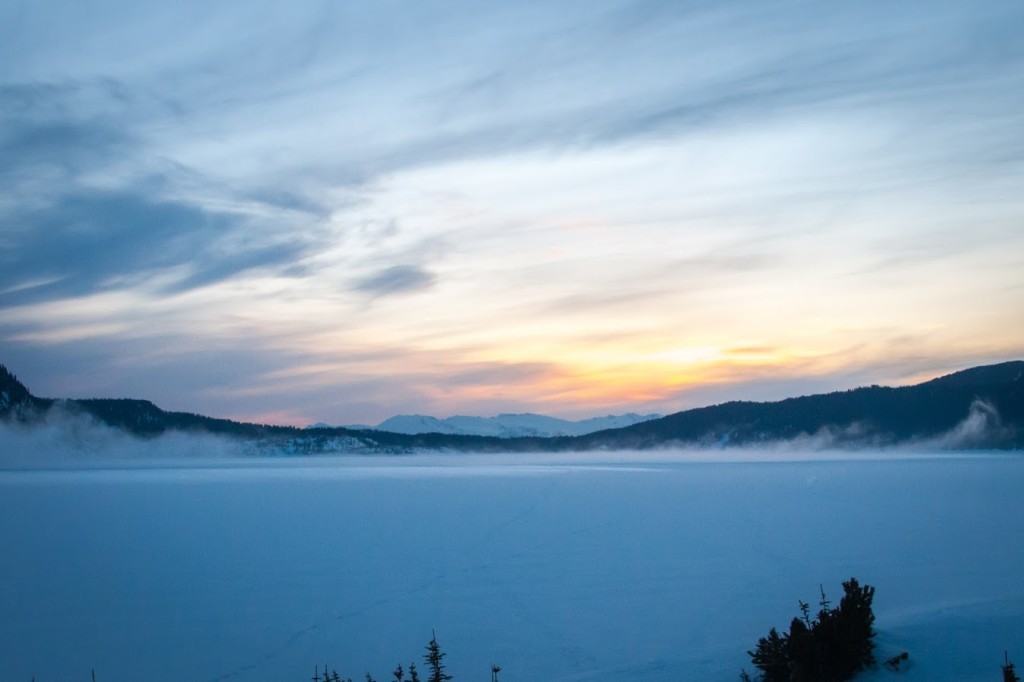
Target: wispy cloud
394,280
87,242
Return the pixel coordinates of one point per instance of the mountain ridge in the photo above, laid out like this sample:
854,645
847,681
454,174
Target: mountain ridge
505,425
977,408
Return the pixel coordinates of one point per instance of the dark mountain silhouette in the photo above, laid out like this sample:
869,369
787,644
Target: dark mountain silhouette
976,408
987,402
16,403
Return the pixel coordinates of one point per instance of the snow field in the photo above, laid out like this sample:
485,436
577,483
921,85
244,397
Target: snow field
600,567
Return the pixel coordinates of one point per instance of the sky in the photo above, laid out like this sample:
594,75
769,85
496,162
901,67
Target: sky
341,211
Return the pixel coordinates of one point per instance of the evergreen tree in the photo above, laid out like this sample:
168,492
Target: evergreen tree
1009,674
398,673
854,628
413,675
435,659
802,659
831,647
771,657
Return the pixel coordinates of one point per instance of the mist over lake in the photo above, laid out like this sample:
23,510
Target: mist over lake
650,567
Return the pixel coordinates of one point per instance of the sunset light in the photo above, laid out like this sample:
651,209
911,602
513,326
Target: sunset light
609,220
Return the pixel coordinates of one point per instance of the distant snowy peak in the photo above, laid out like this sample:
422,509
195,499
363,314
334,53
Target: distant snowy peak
325,425
508,425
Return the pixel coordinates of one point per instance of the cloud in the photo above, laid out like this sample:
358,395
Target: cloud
626,70
395,280
91,208
84,242
31,146
51,136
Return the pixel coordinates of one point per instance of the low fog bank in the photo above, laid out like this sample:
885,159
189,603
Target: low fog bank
66,440
74,440
70,446
980,427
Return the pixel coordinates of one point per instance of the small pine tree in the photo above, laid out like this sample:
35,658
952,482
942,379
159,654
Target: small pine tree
805,610
771,657
855,631
435,659
398,673
413,675
802,652
1009,674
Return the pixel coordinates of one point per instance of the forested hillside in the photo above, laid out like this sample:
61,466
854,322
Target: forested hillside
982,407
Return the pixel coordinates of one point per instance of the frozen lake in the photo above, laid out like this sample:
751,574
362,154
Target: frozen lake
599,567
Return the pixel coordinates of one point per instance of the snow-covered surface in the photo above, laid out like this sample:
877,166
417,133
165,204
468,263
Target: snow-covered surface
507,425
645,567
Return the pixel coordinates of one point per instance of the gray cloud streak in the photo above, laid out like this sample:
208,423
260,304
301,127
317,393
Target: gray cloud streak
394,280
83,241
76,236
